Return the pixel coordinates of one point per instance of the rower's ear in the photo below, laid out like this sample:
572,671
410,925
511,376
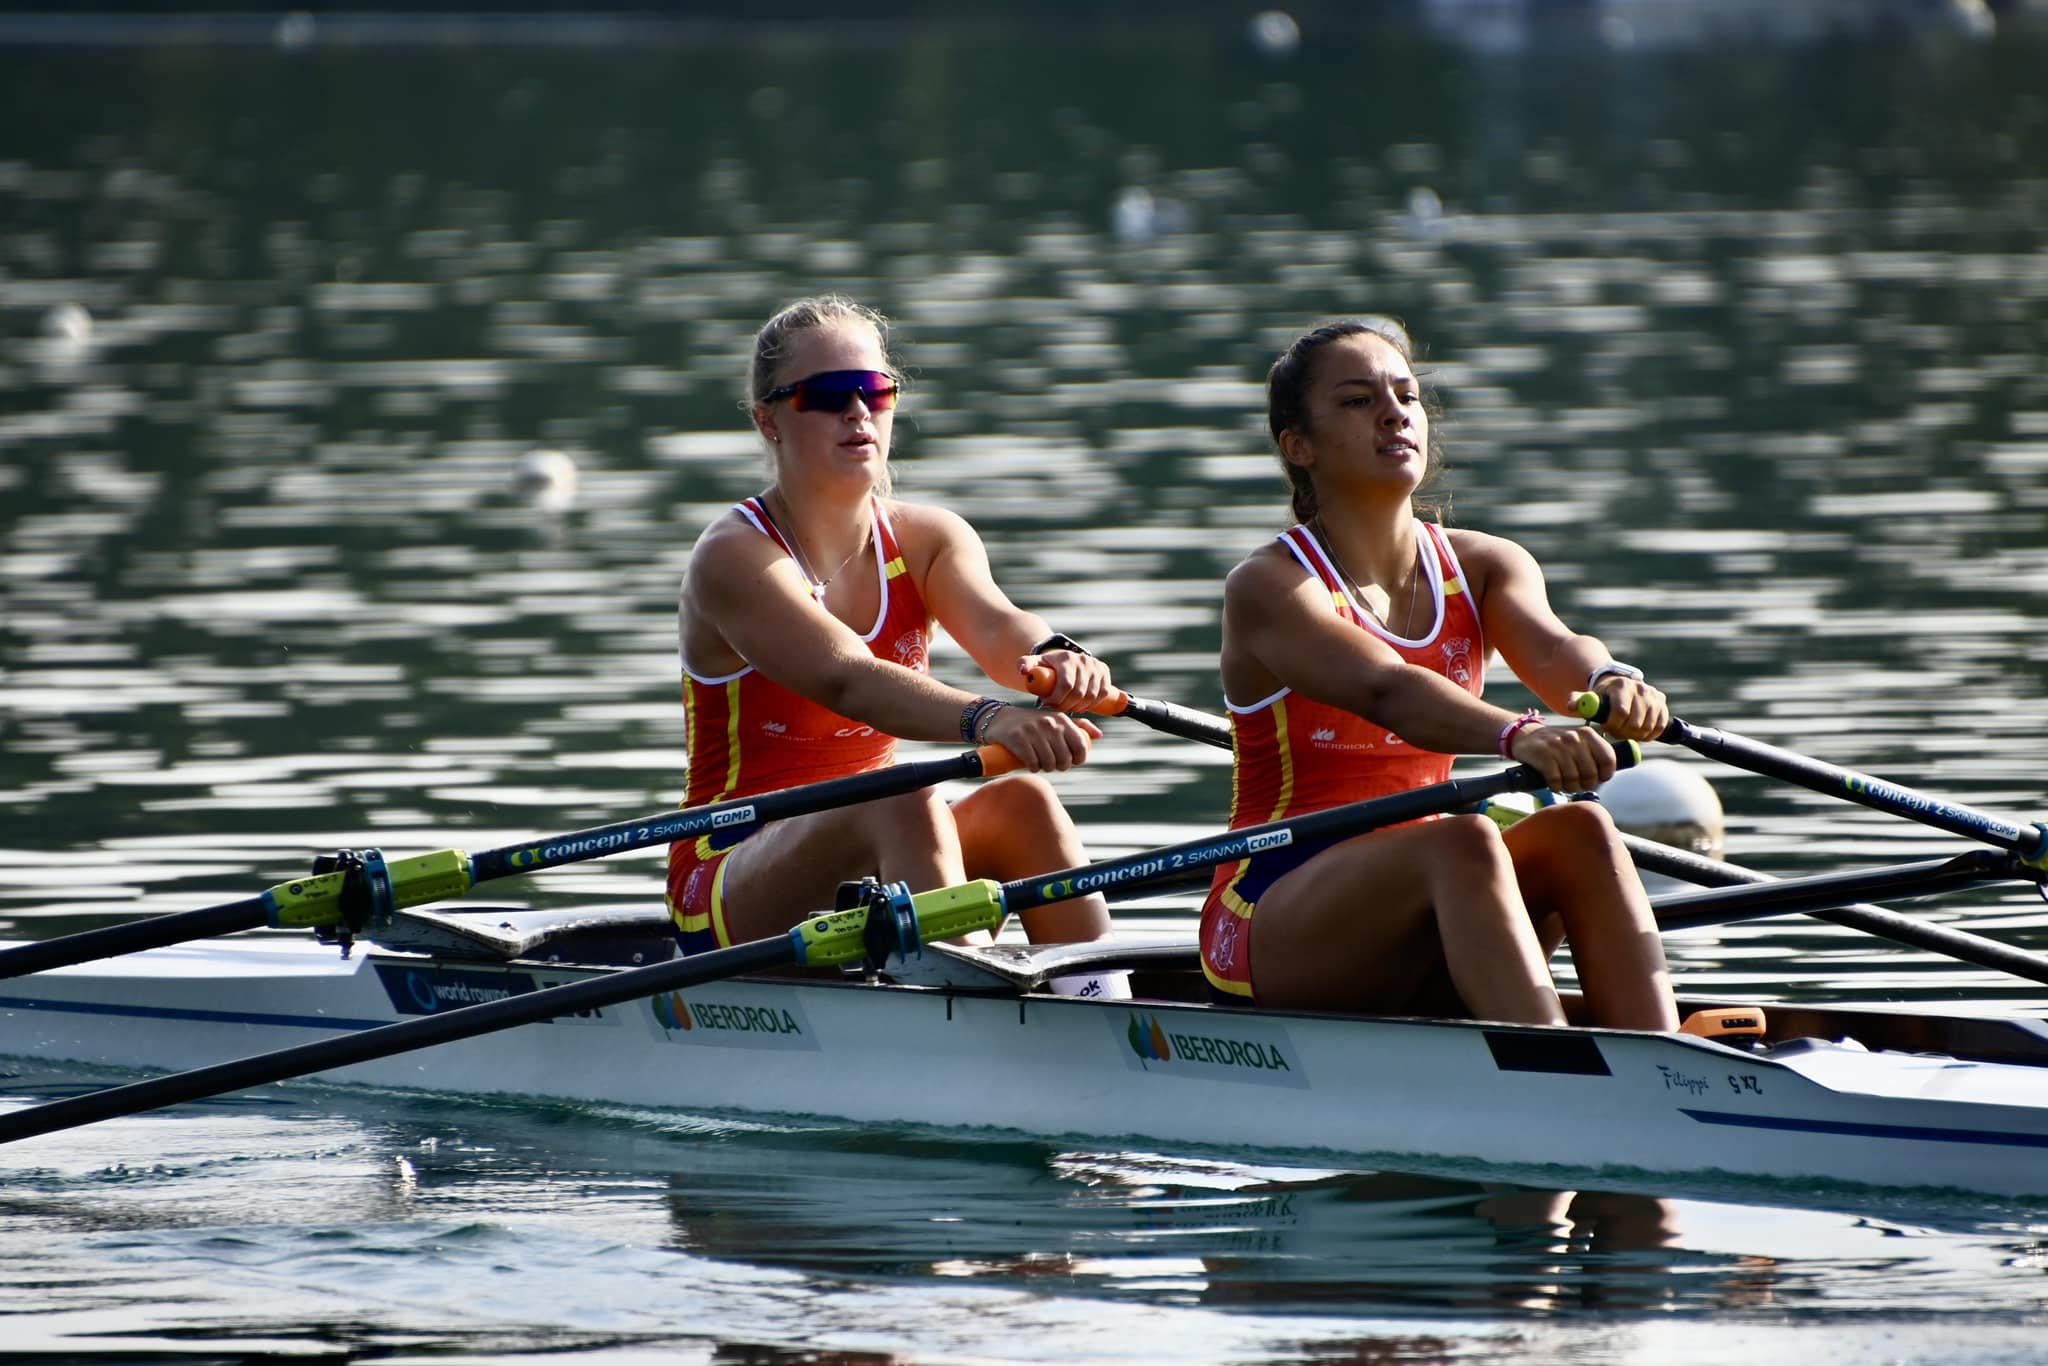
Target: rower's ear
764,423
1295,449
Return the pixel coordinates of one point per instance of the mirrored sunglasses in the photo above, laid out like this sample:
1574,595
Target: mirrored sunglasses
832,390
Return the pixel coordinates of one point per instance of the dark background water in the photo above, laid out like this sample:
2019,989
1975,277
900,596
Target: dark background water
1743,337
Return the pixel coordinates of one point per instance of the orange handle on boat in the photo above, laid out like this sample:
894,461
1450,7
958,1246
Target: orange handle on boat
996,761
1039,682
1168,717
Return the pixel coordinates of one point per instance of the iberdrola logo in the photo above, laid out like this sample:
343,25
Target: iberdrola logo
1149,1042
671,1011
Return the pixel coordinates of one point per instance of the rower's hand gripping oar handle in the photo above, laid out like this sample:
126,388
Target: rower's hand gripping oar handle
1168,717
2030,843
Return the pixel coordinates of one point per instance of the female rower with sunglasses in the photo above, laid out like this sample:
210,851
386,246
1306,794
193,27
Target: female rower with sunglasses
1354,648
805,622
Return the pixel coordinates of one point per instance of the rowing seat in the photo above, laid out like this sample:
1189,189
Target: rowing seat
1726,1024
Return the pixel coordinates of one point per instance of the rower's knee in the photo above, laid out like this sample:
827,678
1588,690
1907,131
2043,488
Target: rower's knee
1473,842
1025,802
910,820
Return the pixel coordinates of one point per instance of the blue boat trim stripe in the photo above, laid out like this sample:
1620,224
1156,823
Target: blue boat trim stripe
1915,1133
329,1022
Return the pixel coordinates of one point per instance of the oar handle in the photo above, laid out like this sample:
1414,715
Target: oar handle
996,761
1167,717
1040,680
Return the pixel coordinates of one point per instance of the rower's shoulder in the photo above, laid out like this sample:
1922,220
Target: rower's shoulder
1269,568
1483,547
922,523
729,529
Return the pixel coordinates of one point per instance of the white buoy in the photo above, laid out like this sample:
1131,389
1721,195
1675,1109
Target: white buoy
69,324
1666,801
1274,33
546,479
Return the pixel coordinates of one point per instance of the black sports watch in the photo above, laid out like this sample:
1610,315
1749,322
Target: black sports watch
1060,641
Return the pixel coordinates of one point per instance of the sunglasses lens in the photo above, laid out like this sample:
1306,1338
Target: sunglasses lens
831,393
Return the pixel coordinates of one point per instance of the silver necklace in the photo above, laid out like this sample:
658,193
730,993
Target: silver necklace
1357,589
818,584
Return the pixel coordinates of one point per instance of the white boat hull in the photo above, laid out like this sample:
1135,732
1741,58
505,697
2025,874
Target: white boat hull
1165,1071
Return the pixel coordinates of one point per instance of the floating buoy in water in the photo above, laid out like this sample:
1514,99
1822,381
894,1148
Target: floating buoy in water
1274,33
1669,802
68,325
546,479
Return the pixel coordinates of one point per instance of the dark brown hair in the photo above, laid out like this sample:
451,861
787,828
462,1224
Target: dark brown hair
1287,406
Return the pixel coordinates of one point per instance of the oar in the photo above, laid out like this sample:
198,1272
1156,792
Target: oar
1169,717
1831,891
2029,842
894,922
1954,943
318,901
889,925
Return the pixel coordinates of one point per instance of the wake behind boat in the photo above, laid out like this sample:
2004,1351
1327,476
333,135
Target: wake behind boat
971,1037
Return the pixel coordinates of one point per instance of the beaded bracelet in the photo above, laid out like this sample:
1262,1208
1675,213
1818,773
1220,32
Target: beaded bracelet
981,723
971,715
1506,742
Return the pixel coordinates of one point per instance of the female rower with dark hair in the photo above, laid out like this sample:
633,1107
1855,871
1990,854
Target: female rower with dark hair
804,623
1354,648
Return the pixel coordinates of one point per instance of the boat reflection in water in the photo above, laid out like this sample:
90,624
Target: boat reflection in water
1181,1231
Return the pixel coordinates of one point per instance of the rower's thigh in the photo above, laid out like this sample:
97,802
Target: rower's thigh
793,867
1355,927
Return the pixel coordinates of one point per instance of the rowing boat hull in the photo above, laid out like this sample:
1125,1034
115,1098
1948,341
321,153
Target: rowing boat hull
1164,1071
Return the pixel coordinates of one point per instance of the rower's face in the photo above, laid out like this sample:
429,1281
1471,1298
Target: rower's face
1364,404
854,435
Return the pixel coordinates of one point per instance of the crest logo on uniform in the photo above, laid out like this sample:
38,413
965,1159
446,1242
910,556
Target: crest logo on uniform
911,652
1458,660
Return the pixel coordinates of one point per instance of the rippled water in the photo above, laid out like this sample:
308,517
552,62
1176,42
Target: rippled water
1745,344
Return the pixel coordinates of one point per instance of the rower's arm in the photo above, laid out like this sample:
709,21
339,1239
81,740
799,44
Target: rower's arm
1279,631
756,604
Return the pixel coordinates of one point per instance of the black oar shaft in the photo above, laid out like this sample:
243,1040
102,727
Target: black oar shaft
115,940
1874,920
1829,891
1174,719
742,813
1337,822
311,901
382,1042
1861,788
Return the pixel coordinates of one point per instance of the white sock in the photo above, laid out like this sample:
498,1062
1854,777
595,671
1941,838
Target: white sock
1102,986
